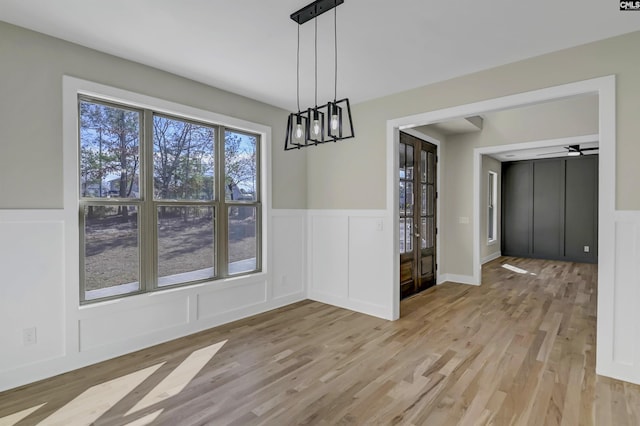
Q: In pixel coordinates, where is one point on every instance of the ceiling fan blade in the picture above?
(552, 153)
(590, 149)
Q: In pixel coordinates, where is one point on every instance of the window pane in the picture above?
(423, 166)
(242, 239)
(183, 160)
(403, 234)
(109, 151)
(490, 230)
(111, 253)
(185, 244)
(240, 166)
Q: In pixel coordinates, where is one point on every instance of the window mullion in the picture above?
(149, 227)
(222, 250)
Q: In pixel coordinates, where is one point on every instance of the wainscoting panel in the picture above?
(231, 298)
(329, 255)
(289, 253)
(368, 260)
(350, 261)
(31, 286)
(627, 291)
(121, 325)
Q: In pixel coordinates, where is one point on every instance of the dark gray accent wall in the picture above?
(550, 208)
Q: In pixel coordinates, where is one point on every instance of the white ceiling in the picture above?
(249, 46)
(543, 152)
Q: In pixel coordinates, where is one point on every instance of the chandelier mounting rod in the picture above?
(314, 10)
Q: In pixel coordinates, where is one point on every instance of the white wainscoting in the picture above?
(350, 261)
(36, 291)
(618, 313)
(31, 286)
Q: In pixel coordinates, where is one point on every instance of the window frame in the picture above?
(148, 205)
(492, 207)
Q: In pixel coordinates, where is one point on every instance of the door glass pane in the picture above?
(423, 166)
(111, 251)
(240, 166)
(185, 244)
(409, 198)
(242, 243)
(109, 151)
(183, 160)
(402, 195)
(430, 233)
(431, 166)
(423, 233)
(409, 164)
(430, 199)
(409, 239)
(403, 160)
(403, 234)
(424, 200)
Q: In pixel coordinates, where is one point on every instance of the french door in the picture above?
(418, 197)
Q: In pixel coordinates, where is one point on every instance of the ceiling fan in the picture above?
(572, 151)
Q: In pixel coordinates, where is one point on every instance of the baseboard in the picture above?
(460, 279)
(352, 305)
(492, 256)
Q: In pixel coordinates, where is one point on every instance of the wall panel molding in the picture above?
(350, 261)
(618, 332)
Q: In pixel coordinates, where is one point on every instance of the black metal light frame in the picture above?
(324, 113)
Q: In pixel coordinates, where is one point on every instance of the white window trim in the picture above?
(72, 87)
(492, 175)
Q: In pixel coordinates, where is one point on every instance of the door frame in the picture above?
(438, 144)
(605, 88)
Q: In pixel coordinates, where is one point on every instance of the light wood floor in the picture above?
(519, 349)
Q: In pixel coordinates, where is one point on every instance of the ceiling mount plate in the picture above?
(314, 10)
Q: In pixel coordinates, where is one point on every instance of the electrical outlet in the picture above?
(29, 336)
(586, 249)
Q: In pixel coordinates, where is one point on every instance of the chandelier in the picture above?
(330, 122)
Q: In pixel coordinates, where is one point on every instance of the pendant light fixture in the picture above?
(330, 122)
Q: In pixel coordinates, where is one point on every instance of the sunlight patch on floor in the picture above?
(178, 379)
(87, 407)
(146, 420)
(14, 418)
(516, 269)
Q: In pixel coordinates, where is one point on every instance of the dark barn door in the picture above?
(418, 197)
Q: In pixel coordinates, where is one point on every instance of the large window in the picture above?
(492, 212)
(164, 200)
